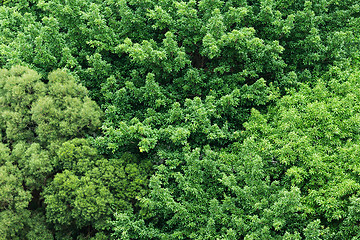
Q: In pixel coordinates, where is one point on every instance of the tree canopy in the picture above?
(194, 119)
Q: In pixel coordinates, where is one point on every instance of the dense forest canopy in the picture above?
(210, 119)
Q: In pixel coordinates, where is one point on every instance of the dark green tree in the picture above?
(182, 43)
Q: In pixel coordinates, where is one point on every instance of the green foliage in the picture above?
(223, 119)
(222, 41)
(85, 193)
(20, 88)
(35, 163)
(56, 111)
(27, 152)
(66, 111)
(73, 200)
(14, 199)
(292, 174)
(308, 140)
(214, 195)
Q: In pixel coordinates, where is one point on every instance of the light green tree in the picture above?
(309, 140)
(291, 174)
(80, 200)
(36, 118)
